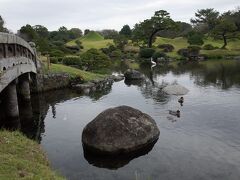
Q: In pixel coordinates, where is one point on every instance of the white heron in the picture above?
(153, 62)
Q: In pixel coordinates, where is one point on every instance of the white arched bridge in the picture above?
(17, 62)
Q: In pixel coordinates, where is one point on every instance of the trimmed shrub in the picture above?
(54, 60)
(108, 50)
(129, 55)
(72, 60)
(194, 48)
(209, 47)
(74, 48)
(56, 53)
(60, 59)
(146, 52)
(166, 47)
(183, 52)
(112, 48)
(158, 54)
(192, 52)
(94, 59)
(116, 54)
(105, 51)
(215, 56)
(131, 49)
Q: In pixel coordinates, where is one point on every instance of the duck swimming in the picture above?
(174, 113)
(181, 100)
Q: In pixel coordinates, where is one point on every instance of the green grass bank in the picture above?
(75, 72)
(22, 158)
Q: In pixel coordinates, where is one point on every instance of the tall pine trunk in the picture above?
(151, 38)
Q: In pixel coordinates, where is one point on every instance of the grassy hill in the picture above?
(92, 40)
(92, 36)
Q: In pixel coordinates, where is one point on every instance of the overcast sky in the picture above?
(99, 14)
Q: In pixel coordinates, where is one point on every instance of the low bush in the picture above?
(72, 60)
(94, 59)
(116, 54)
(130, 56)
(214, 56)
(193, 52)
(158, 54)
(60, 59)
(166, 47)
(183, 52)
(108, 50)
(56, 53)
(131, 49)
(146, 52)
(194, 48)
(73, 49)
(209, 47)
(54, 60)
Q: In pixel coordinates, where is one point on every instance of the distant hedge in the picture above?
(72, 60)
(158, 54)
(54, 60)
(146, 52)
(191, 52)
(94, 59)
(209, 47)
(166, 47)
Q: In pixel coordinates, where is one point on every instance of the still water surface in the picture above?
(203, 144)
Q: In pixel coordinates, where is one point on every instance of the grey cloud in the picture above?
(96, 14)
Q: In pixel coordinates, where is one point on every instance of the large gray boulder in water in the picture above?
(131, 74)
(120, 130)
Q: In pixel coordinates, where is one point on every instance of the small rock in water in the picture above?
(131, 74)
(175, 89)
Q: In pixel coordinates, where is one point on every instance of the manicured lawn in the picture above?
(233, 47)
(178, 42)
(22, 158)
(95, 40)
(74, 72)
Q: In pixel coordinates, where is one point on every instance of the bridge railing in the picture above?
(13, 47)
(17, 57)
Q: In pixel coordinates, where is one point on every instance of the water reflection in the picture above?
(219, 73)
(32, 114)
(100, 91)
(150, 89)
(115, 162)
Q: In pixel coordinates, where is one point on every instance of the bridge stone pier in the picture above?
(18, 64)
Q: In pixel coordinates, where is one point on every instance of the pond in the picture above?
(203, 143)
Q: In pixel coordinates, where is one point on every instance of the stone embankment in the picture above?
(96, 84)
(53, 81)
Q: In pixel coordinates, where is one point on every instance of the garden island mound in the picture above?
(120, 130)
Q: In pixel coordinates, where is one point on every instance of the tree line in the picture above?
(207, 22)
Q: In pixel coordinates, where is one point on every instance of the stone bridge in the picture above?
(17, 62)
